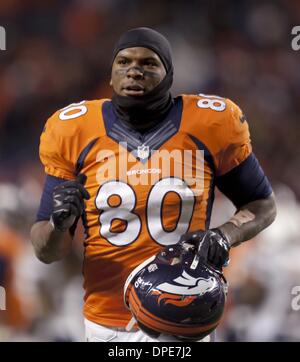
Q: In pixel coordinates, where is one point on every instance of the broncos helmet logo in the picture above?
(188, 285)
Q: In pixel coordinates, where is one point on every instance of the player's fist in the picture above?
(217, 247)
(68, 203)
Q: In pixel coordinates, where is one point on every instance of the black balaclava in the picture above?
(151, 108)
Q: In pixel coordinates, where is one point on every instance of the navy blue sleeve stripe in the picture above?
(245, 183)
(207, 154)
(83, 154)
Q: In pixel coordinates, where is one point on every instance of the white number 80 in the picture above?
(126, 211)
(79, 109)
(213, 102)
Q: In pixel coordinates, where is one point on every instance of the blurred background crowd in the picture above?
(59, 52)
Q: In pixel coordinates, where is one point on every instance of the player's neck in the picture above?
(141, 127)
(142, 116)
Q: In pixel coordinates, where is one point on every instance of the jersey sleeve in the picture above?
(54, 150)
(67, 136)
(235, 140)
(245, 183)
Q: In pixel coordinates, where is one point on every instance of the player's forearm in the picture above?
(49, 244)
(250, 220)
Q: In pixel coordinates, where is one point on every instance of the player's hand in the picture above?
(68, 203)
(218, 246)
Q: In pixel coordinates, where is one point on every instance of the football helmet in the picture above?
(176, 292)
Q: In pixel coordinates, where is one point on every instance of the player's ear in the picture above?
(110, 83)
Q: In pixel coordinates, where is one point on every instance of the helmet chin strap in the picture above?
(200, 253)
(195, 262)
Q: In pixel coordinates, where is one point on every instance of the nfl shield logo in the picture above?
(143, 152)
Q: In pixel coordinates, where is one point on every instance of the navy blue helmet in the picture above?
(176, 292)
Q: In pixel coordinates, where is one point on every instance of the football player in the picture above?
(141, 169)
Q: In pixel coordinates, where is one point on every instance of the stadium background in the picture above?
(58, 52)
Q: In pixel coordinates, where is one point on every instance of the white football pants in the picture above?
(98, 333)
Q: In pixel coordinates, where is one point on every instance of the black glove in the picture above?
(68, 203)
(218, 246)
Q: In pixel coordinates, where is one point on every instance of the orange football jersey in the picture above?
(146, 189)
